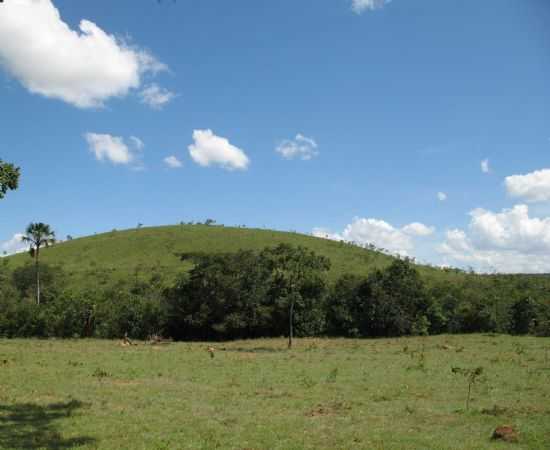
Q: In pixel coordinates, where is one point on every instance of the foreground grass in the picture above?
(325, 393)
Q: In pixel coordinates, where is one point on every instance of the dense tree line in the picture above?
(278, 291)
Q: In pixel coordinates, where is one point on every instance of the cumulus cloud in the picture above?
(209, 149)
(485, 166)
(155, 96)
(441, 196)
(418, 229)
(13, 245)
(364, 231)
(300, 147)
(83, 68)
(360, 6)
(173, 162)
(507, 241)
(113, 148)
(531, 187)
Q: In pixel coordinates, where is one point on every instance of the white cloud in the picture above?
(364, 231)
(360, 6)
(209, 149)
(155, 96)
(485, 166)
(418, 229)
(300, 147)
(532, 187)
(84, 68)
(509, 241)
(113, 148)
(138, 143)
(441, 196)
(173, 162)
(13, 245)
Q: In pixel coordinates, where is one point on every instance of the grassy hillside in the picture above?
(119, 254)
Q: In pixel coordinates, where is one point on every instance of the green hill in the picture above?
(119, 254)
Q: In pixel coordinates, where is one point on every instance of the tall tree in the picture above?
(38, 235)
(294, 272)
(9, 177)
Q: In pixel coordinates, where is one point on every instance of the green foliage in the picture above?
(296, 287)
(247, 294)
(523, 314)
(52, 280)
(254, 293)
(38, 235)
(9, 177)
(343, 307)
(391, 302)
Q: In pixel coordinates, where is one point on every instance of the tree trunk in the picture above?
(37, 266)
(290, 323)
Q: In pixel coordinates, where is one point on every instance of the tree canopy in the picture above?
(9, 177)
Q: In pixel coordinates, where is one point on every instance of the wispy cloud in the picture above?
(485, 166)
(360, 6)
(156, 97)
(173, 162)
(113, 149)
(302, 147)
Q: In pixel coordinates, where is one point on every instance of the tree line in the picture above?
(278, 291)
(281, 290)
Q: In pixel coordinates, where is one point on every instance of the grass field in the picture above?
(323, 394)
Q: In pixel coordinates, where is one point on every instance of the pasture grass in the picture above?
(256, 394)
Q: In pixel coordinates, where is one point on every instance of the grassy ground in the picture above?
(323, 394)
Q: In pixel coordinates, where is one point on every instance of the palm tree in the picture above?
(38, 235)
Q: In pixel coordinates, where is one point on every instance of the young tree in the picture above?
(38, 235)
(9, 177)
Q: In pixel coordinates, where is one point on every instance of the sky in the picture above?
(420, 126)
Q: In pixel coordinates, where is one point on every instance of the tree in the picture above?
(523, 314)
(52, 281)
(389, 302)
(38, 235)
(224, 296)
(296, 277)
(9, 177)
(344, 306)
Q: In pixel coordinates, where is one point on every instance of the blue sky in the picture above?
(340, 118)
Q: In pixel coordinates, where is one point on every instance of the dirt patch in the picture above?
(505, 433)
